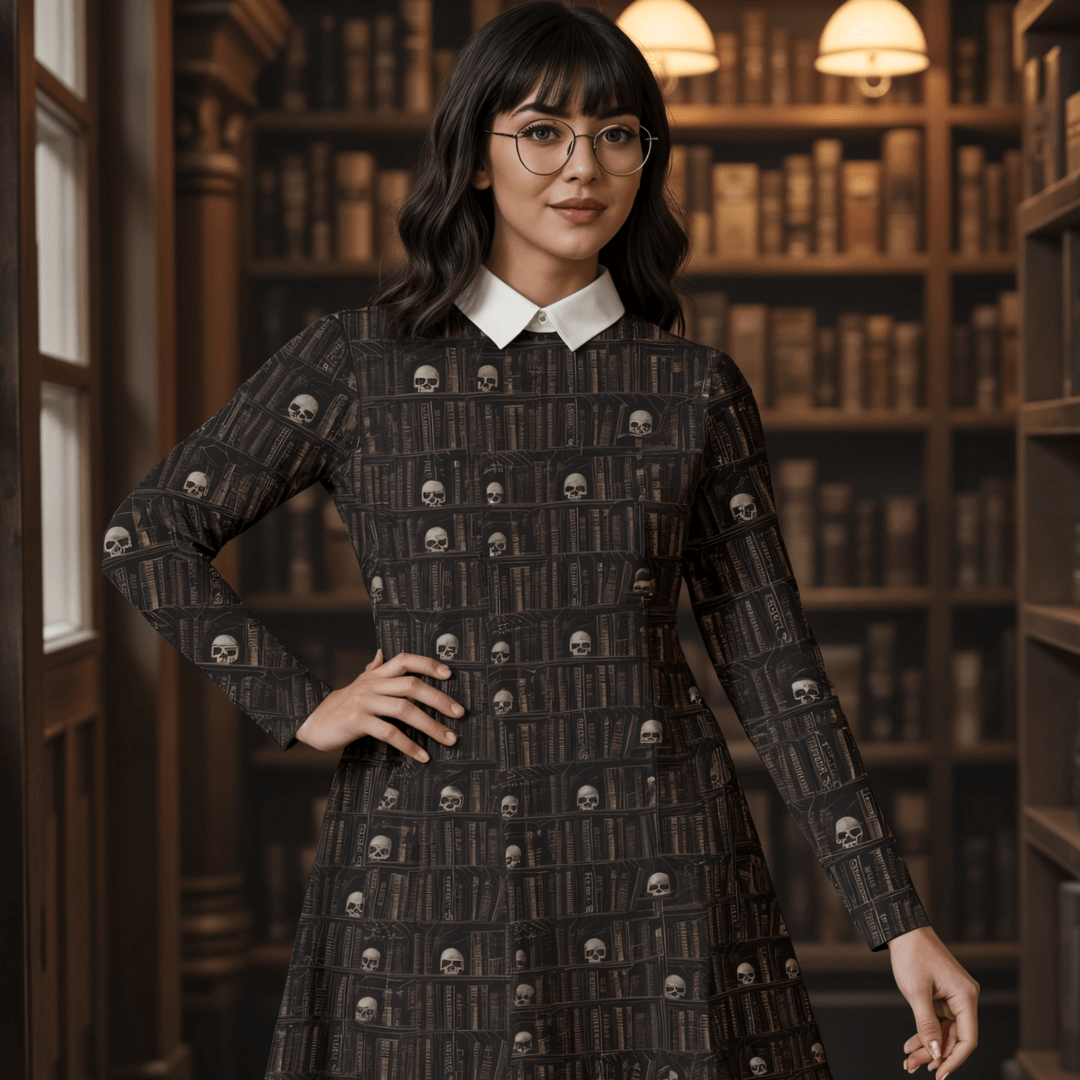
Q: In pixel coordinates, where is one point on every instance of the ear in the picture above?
(481, 178)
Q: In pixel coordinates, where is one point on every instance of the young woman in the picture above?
(537, 860)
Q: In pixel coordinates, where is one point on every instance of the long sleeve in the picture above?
(747, 605)
(291, 424)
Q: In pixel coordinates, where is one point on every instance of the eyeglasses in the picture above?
(544, 147)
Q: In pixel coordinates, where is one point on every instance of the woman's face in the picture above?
(526, 221)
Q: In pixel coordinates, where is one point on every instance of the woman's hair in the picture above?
(446, 225)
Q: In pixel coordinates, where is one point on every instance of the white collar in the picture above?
(502, 312)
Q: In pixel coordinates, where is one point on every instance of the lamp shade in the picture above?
(672, 36)
(872, 38)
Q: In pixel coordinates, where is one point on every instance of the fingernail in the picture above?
(459, 709)
(423, 755)
(942, 1076)
(934, 1048)
(444, 671)
(451, 736)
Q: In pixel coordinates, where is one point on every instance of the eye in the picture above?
(533, 129)
(619, 136)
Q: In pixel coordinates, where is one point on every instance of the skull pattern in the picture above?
(791, 967)
(747, 973)
(695, 695)
(487, 378)
(849, 832)
(447, 645)
(451, 962)
(117, 541)
(659, 884)
(451, 798)
(435, 539)
(509, 806)
(806, 691)
(641, 422)
(224, 649)
(196, 485)
(513, 856)
(376, 589)
(523, 994)
(519, 959)
(303, 409)
(588, 798)
(389, 799)
(652, 731)
(503, 702)
(595, 950)
(496, 544)
(500, 652)
(758, 1066)
(494, 492)
(369, 959)
(675, 987)
(433, 493)
(817, 1052)
(743, 507)
(426, 379)
(581, 643)
(523, 1041)
(643, 582)
(575, 487)
(354, 905)
(366, 1008)
(379, 848)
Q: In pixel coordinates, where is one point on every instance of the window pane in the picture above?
(59, 40)
(61, 238)
(63, 557)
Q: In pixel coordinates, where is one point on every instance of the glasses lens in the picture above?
(545, 145)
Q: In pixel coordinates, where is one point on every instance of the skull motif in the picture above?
(848, 832)
(743, 507)
(500, 652)
(652, 731)
(451, 798)
(447, 645)
(588, 798)
(425, 379)
(117, 541)
(224, 649)
(791, 967)
(643, 582)
(659, 884)
(818, 1052)
(509, 806)
(758, 1066)
(389, 798)
(435, 539)
(196, 485)
(640, 422)
(497, 544)
(433, 493)
(504, 702)
(303, 408)
(581, 643)
(806, 691)
(451, 962)
(513, 855)
(365, 1010)
(695, 695)
(354, 905)
(487, 378)
(519, 959)
(747, 973)
(369, 959)
(523, 994)
(675, 986)
(595, 950)
(523, 1043)
(575, 487)
(376, 589)
(379, 848)
(494, 492)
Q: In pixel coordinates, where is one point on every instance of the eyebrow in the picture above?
(543, 107)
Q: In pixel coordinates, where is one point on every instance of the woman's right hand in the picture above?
(383, 688)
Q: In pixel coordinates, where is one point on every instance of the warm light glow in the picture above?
(672, 35)
(872, 38)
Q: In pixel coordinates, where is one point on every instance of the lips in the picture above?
(579, 204)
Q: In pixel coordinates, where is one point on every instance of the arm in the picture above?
(291, 424)
(747, 605)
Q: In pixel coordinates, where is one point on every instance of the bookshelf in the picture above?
(944, 284)
(1048, 471)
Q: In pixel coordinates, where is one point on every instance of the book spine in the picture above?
(900, 563)
(322, 229)
(294, 95)
(735, 214)
(826, 369)
(861, 183)
(754, 49)
(328, 61)
(791, 357)
(1013, 160)
(355, 204)
(984, 354)
(798, 204)
(294, 204)
(912, 703)
(416, 46)
(907, 365)
(779, 66)
(975, 860)
(997, 23)
(851, 346)
(727, 74)
(881, 680)
(835, 502)
(879, 334)
(967, 679)
(796, 479)
(966, 517)
(997, 499)
(994, 206)
(827, 155)
(803, 73)
(901, 197)
(748, 344)
(1033, 126)
(356, 64)
(699, 200)
(392, 187)
(772, 211)
(384, 62)
(866, 543)
(966, 53)
(969, 199)
(963, 376)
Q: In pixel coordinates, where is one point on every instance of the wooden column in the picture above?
(220, 48)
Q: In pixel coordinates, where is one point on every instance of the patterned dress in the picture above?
(574, 890)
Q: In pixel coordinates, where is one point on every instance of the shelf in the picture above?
(833, 419)
(792, 266)
(991, 752)
(1055, 831)
(341, 601)
(989, 262)
(1056, 624)
(992, 119)
(367, 122)
(1057, 417)
(983, 419)
(874, 754)
(982, 596)
(1054, 208)
(849, 597)
(1043, 15)
(1043, 1065)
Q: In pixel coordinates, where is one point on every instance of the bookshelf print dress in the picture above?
(574, 890)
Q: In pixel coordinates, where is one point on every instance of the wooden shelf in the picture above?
(991, 119)
(1056, 624)
(989, 262)
(797, 266)
(983, 419)
(1056, 417)
(991, 752)
(854, 597)
(1055, 831)
(1043, 1065)
(833, 419)
(983, 596)
(1054, 208)
(341, 601)
(1043, 15)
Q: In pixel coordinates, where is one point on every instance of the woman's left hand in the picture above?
(943, 997)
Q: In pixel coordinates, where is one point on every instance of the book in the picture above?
(969, 199)
(699, 199)
(1069, 973)
(861, 194)
(975, 865)
(993, 238)
(803, 73)
(727, 74)
(996, 493)
(320, 224)
(1013, 161)
(966, 56)
(912, 824)
(1061, 78)
(879, 335)
(294, 204)
(1007, 660)
(355, 204)
(997, 29)
(327, 49)
(967, 513)
(900, 532)
(1006, 885)
(912, 723)
(963, 375)
(901, 190)
(968, 703)
(906, 365)
(753, 57)
(392, 187)
(710, 320)
(791, 357)
(1072, 133)
(294, 94)
(984, 355)
(416, 50)
(266, 212)
(748, 342)
(772, 211)
(1009, 347)
(866, 542)
(795, 482)
(798, 204)
(779, 65)
(835, 505)
(1032, 124)
(826, 368)
(851, 350)
(881, 680)
(735, 209)
(827, 155)
(356, 64)
(844, 662)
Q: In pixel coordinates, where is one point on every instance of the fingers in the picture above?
(411, 686)
(376, 661)
(967, 1033)
(405, 710)
(916, 1054)
(927, 1023)
(403, 663)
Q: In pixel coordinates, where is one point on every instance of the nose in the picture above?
(582, 158)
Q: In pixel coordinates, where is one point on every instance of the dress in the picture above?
(575, 890)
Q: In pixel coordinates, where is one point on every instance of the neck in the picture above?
(542, 278)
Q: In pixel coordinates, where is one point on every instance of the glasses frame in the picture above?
(646, 138)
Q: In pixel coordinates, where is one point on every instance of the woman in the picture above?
(537, 859)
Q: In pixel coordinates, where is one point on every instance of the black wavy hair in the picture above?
(446, 225)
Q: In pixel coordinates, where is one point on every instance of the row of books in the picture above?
(763, 64)
(1051, 97)
(817, 202)
(989, 886)
(982, 67)
(983, 533)
(984, 692)
(865, 361)
(835, 539)
(385, 63)
(985, 355)
(323, 205)
(987, 194)
(286, 869)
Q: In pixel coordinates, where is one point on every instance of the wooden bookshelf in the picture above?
(1048, 471)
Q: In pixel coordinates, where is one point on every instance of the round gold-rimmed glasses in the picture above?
(545, 146)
